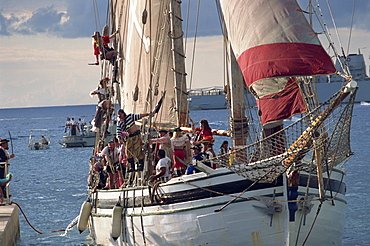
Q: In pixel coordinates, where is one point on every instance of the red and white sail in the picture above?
(273, 42)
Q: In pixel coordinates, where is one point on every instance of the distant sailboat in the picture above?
(281, 185)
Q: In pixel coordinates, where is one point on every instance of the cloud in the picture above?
(74, 19)
(43, 20)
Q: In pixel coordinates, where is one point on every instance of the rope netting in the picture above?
(321, 136)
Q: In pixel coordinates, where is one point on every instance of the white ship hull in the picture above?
(324, 91)
(195, 222)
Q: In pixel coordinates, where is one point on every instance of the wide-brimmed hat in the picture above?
(2, 141)
(196, 147)
(163, 130)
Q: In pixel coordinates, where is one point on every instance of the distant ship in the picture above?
(207, 98)
(326, 85)
(212, 98)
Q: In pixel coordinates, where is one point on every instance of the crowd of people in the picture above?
(76, 127)
(175, 152)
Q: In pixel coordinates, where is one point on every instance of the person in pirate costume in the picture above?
(134, 144)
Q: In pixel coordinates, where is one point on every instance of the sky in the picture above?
(46, 47)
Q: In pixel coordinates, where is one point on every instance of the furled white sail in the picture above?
(146, 65)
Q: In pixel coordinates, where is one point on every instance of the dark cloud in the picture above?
(43, 20)
(76, 21)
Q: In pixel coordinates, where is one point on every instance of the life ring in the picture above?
(84, 215)
(116, 221)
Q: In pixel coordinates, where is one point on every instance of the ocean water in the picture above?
(50, 185)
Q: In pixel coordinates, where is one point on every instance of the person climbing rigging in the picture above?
(101, 46)
(108, 52)
(96, 37)
(102, 91)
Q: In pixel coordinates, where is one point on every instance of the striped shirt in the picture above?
(123, 126)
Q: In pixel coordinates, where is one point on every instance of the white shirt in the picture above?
(164, 162)
(113, 156)
(179, 143)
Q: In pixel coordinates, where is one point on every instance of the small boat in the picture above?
(86, 138)
(38, 139)
(283, 182)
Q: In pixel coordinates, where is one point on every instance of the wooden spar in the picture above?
(237, 98)
(318, 158)
(179, 63)
(304, 140)
(217, 132)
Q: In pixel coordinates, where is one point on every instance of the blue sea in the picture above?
(50, 185)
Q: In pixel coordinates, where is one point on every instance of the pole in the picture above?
(11, 142)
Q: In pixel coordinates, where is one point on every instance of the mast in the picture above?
(178, 63)
(238, 120)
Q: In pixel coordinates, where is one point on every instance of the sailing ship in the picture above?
(281, 184)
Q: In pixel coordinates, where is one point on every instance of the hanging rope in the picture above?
(29, 223)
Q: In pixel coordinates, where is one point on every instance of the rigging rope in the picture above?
(335, 27)
(351, 27)
(194, 45)
(319, 17)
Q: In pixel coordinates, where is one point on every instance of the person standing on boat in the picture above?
(207, 148)
(134, 144)
(81, 124)
(4, 158)
(164, 142)
(68, 125)
(75, 127)
(224, 149)
(201, 132)
(293, 183)
(162, 169)
(110, 161)
(179, 143)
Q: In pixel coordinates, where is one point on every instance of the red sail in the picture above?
(281, 105)
(284, 59)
